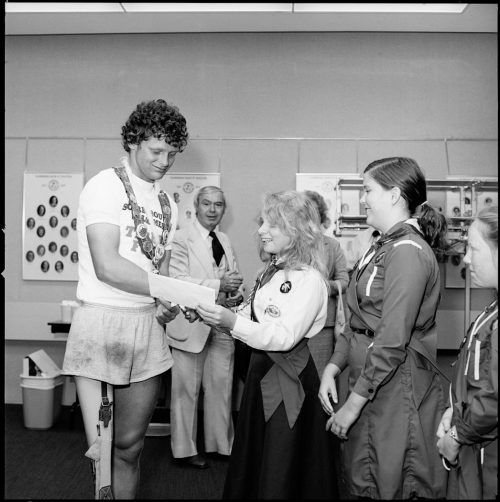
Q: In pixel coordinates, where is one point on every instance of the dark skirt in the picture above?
(271, 461)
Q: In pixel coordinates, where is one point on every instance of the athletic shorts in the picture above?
(118, 345)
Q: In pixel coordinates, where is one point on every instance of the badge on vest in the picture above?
(272, 310)
(286, 287)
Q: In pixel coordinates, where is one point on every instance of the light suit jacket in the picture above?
(192, 261)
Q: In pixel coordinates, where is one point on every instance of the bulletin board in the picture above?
(50, 243)
(183, 187)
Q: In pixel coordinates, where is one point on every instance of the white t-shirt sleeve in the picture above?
(100, 201)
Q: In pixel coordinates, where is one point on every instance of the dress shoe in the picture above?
(218, 456)
(197, 461)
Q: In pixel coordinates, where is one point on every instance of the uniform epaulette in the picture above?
(407, 241)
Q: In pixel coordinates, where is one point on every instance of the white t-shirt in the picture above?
(104, 200)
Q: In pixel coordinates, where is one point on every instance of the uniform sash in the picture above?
(282, 383)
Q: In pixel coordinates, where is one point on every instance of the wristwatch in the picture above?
(453, 434)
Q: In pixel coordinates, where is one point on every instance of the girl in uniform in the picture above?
(395, 402)
(321, 346)
(468, 432)
(281, 450)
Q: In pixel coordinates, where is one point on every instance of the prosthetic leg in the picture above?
(100, 450)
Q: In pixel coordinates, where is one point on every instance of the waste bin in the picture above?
(42, 398)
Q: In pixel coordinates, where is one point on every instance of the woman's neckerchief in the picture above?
(263, 279)
(155, 253)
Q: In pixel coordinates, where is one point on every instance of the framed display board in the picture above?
(50, 244)
(183, 187)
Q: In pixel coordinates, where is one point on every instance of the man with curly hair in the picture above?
(117, 349)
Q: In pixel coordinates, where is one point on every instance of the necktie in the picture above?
(217, 249)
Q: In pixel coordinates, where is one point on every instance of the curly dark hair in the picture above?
(157, 119)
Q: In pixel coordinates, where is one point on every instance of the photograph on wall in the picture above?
(455, 207)
(455, 272)
(344, 201)
(437, 199)
(486, 198)
(50, 243)
(182, 188)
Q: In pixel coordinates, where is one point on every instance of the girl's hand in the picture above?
(339, 423)
(445, 424)
(216, 315)
(448, 448)
(328, 388)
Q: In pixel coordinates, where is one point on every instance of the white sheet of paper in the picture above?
(183, 293)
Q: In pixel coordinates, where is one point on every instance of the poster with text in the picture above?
(50, 243)
(182, 188)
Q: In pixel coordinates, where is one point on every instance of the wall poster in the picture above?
(325, 184)
(50, 243)
(182, 188)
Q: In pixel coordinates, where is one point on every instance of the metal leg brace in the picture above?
(100, 451)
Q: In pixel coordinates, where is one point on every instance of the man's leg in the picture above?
(89, 398)
(186, 382)
(217, 387)
(133, 408)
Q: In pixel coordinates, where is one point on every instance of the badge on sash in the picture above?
(159, 252)
(165, 235)
(142, 231)
(286, 287)
(148, 246)
(272, 310)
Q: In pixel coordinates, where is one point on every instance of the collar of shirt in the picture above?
(208, 242)
(203, 231)
(398, 230)
(143, 185)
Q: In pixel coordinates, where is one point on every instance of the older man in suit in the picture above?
(203, 356)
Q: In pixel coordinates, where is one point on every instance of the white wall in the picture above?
(260, 108)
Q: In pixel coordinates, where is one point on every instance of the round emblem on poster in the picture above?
(142, 231)
(148, 246)
(328, 186)
(286, 287)
(188, 187)
(53, 185)
(272, 310)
